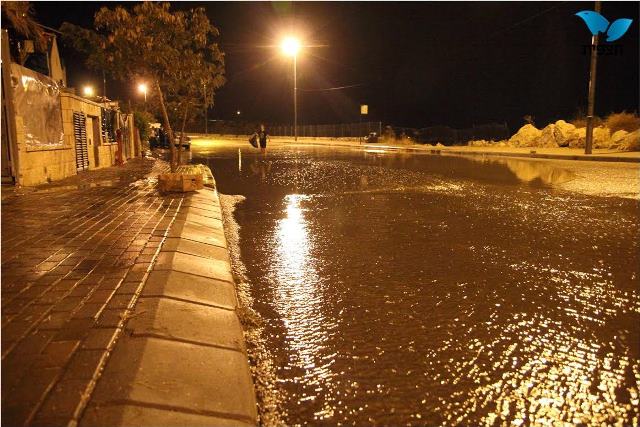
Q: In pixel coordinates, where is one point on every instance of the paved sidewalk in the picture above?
(75, 258)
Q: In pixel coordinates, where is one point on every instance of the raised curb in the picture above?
(182, 358)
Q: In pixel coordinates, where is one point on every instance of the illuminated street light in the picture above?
(238, 112)
(142, 88)
(88, 91)
(290, 47)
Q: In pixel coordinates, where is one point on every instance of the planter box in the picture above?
(180, 182)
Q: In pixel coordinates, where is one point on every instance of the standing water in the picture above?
(420, 289)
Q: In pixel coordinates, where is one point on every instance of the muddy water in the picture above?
(419, 289)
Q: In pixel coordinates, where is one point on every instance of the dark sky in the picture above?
(418, 64)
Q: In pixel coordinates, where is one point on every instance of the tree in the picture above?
(20, 16)
(174, 51)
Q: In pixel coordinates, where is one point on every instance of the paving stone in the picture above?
(68, 303)
(61, 403)
(198, 233)
(99, 339)
(140, 416)
(119, 301)
(57, 353)
(185, 263)
(84, 364)
(169, 373)
(173, 244)
(128, 288)
(110, 318)
(211, 213)
(74, 329)
(192, 217)
(186, 321)
(189, 287)
(90, 310)
(20, 404)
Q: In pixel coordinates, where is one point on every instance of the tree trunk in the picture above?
(184, 122)
(167, 126)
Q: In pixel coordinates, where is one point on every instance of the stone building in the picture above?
(48, 132)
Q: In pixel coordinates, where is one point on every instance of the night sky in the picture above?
(415, 64)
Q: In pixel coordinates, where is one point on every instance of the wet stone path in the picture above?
(74, 258)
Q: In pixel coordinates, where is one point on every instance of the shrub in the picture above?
(142, 119)
(580, 121)
(622, 121)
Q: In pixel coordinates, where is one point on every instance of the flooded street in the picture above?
(398, 288)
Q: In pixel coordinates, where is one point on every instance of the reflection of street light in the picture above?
(290, 47)
(88, 91)
(142, 88)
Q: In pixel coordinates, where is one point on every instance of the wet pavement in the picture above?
(396, 288)
(74, 257)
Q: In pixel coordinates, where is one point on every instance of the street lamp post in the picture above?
(290, 47)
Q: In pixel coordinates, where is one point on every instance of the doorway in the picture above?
(93, 136)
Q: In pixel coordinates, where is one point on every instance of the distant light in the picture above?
(290, 46)
(142, 88)
(88, 91)
(238, 112)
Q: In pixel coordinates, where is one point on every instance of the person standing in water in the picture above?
(262, 139)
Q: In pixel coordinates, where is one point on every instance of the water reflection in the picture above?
(299, 300)
(440, 290)
(532, 171)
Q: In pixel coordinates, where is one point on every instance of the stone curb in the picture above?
(182, 358)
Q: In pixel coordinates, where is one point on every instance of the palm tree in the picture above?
(20, 16)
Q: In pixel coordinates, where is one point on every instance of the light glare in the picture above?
(290, 46)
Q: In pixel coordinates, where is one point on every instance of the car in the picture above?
(371, 138)
(159, 139)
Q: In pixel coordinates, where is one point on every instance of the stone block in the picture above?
(141, 416)
(185, 263)
(190, 287)
(186, 321)
(174, 244)
(210, 213)
(198, 233)
(174, 374)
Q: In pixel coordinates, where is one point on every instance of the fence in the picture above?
(336, 130)
(450, 136)
(428, 135)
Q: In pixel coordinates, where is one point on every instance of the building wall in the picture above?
(45, 165)
(106, 153)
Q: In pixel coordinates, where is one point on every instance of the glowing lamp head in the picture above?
(88, 91)
(142, 88)
(290, 46)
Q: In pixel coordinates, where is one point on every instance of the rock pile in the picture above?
(563, 134)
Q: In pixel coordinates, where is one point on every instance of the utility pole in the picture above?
(206, 110)
(295, 97)
(104, 89)
(592, 88)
